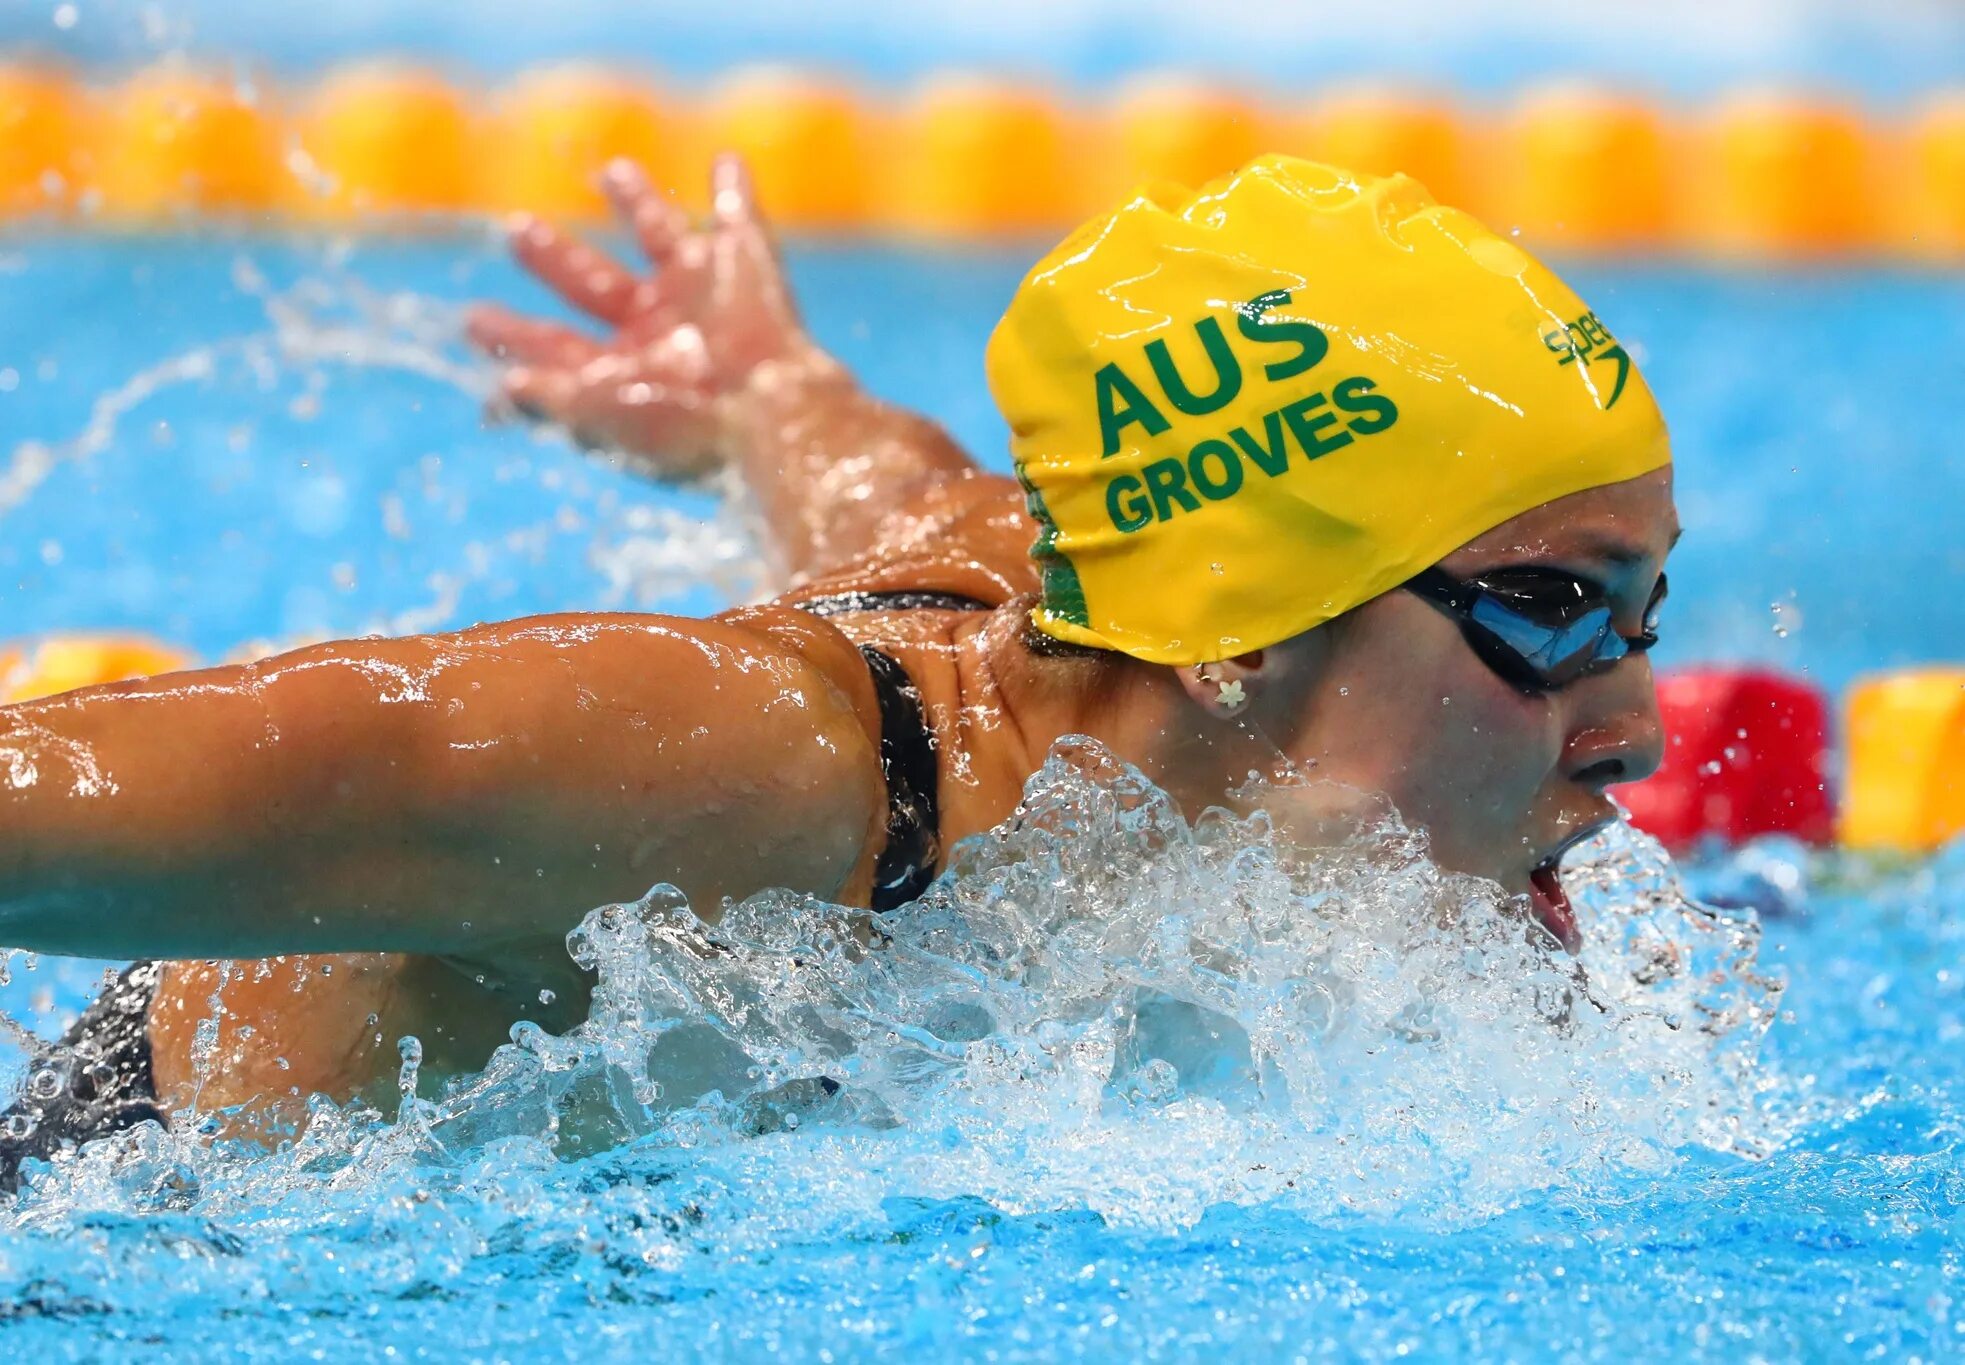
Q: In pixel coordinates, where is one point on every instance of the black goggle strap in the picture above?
(1438, 586)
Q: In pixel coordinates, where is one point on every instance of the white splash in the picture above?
(1102, 1006)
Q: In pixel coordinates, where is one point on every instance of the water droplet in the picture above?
(46, 1082)
(546, 997)
(410, 1048)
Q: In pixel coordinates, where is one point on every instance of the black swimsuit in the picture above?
(98, 1078)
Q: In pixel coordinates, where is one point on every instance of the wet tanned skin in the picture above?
(407, 829)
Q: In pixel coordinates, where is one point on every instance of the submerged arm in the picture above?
(707, 365)
(470, 794)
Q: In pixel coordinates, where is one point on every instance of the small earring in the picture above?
(1229, 696)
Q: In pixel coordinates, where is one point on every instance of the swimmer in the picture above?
(1317, 473)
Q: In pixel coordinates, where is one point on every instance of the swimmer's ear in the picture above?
(1225, 689)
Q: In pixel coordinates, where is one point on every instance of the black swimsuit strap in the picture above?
(907, 760)
(904, 599)
(907, 749)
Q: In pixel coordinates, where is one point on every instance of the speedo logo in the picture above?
(1586, 340)
(1218, 466)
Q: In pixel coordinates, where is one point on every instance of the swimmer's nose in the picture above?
(1617, 735)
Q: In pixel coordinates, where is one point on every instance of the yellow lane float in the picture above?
(1385, 132)
(41, 136)
(1905, 743)
(173, 141)
(1586, 171)
(555, 129)
(977, 157)
(810, 145)
(393, 140)
(1169, 127)
(64, 663)
(1786, 174)
(1936, 210)
(1764, 176)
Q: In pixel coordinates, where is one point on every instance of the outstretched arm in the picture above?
(466, 795)
(709, 366)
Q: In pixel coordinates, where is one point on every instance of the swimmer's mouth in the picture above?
(1547, 900)
(1550, 905)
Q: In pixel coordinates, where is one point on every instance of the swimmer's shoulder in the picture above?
(966, 537)
(949, 564)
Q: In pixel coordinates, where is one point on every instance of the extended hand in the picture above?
(685, 337)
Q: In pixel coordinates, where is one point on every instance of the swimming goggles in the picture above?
(1539, 628)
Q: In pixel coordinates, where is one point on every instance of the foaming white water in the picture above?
(1102, 1006)
(1106, 1006)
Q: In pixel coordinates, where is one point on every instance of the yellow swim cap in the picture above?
(1242, 411)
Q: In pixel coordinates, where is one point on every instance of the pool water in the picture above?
(250, 439)
(1198, 1099)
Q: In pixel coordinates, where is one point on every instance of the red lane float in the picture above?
(1746, 753)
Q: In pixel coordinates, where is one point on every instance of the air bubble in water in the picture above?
(1787, 618)
(46, 1082)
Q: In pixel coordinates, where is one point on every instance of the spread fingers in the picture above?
(657, 223)
(585, 277)
(505, 335)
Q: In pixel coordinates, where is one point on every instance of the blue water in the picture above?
(303, 481)
(1815, 417)
(1885, 50)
